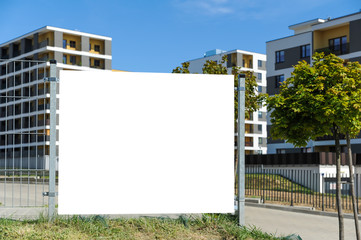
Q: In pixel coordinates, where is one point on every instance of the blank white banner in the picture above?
(145, 143)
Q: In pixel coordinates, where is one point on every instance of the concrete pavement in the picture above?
(308, 226)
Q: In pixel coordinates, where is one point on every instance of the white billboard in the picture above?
(145, 143)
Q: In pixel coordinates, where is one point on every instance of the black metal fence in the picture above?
(302, 186)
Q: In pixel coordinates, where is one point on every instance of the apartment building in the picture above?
(341, 36)
(255, 126)
(24, 95)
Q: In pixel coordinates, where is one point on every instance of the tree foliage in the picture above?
(183, 69)
(322, 99)
(315, 99)
(253, 99)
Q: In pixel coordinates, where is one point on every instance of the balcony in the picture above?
(43, 107)
(44, 59)
(247, 144)
(16, 53)
(337, 49)
(45, 43)
(249, 128)
(43, 123)
(42, 91)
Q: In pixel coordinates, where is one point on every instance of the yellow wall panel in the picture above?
(93, 42)
(320, 38)
(69, 38)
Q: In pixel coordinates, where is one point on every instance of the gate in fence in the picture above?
(28, 106)
(300, 187)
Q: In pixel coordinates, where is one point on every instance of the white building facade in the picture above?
(256, 125)
(25, 96)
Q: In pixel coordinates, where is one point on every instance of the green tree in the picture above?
(253, 101)
(322, 99)
(183, 69)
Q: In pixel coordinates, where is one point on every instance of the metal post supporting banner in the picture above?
(240, 147)
(52, 158)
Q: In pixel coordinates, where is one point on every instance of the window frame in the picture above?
(96, 48)
(259, 89)
(65, 57)
(260, 128)
(71, 58)
(96, 63)
(259, 76)
(304, 52)
(65, 43)
(280, 58)
(342, 46)
(72, 44)
(260, 63)
(278, 80)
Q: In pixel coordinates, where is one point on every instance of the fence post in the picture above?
(264, 181)
(323, 192)
(357, 186)
(52, 158)
(240, 148)
(292, 187)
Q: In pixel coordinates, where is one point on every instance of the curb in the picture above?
(306, 210)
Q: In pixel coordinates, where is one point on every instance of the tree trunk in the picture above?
(350, 166)
(341, 229)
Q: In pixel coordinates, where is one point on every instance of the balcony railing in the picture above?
(44, 106)
(43, 123)
(41, 91)
(337, 49)
(16, 53)
(45, 43)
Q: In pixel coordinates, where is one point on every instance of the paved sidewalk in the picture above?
(308, 226)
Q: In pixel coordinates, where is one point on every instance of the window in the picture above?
(243, 63)
(338, 45)
(259, 114)
(280, 56)
(250, 64)
(90, 62)
(260, 141)
(96, 63)
(259, 151)
(72, 44)
(259, 89)
(279, 80)
(72, 60)
(260, 128)
(259, 63)
(65, 59)
(90, 46)
(305, 51)
(64, 43)
(259, 76)
(97, 48)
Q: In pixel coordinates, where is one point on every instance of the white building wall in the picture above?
(196, 66)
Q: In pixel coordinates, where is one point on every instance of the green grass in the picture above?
(274, 182)
(209, 226)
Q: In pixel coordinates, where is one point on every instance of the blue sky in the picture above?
(157, 36)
